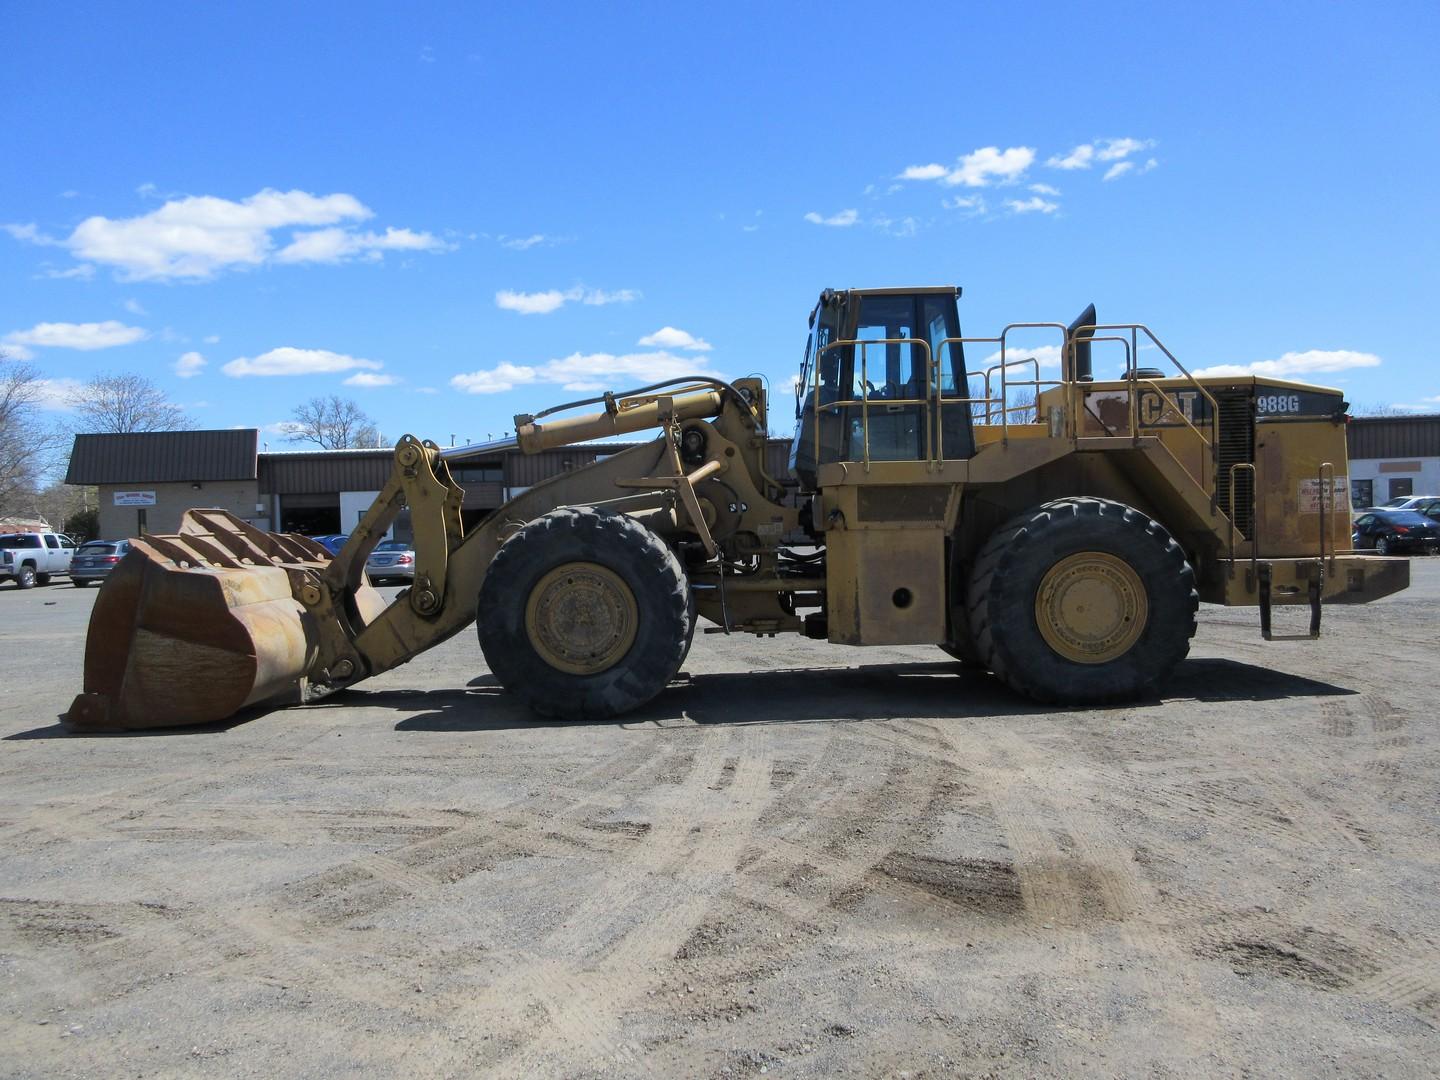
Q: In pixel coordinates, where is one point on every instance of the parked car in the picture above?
(32, 558)
(331, 542)
(1391, 532)
(94, 561)
(391, 560)
(1423, 503)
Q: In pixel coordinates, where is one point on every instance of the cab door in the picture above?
(900, 364)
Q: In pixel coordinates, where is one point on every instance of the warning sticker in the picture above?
(1308, 496)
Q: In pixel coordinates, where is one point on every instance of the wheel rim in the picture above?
(1091, 607)
(581, 618)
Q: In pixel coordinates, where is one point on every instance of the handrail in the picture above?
(996, 400)
(1184, 371)
(1181, 413)
(1325, 518)
(840, 403)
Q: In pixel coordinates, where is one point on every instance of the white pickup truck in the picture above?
(32, 558)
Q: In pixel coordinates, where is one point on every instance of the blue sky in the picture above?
(453, 214)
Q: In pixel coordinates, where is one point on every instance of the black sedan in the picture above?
(1396, 531)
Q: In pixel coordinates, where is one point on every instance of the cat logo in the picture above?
(1166, 410)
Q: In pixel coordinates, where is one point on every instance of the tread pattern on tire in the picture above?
(647, 565)
(1000, 605)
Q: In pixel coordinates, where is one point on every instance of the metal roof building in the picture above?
(1393, 456)
(148, 479)
(164, 457)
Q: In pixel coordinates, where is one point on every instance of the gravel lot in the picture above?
(801, 860)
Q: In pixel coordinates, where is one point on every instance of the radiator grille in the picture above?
(1237, 446)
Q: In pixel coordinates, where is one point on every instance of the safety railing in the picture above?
(841, 403)
(995, 399)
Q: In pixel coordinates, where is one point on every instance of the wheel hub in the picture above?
(581, 618)
(1091, 607)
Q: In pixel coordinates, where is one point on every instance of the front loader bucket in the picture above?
(191, 628)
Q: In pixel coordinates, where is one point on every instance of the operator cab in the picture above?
(878, 365)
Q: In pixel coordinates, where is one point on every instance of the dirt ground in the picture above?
(801, 860)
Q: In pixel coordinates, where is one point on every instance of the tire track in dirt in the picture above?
(611, 947)
(252, 941)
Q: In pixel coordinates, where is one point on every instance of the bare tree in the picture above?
(25, 442)
(1379, 409)
(332, 423)
(125, 403)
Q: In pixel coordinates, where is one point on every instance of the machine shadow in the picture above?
(832, 695)
(61, 730)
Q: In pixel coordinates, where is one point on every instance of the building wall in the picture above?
(172, 500)
(1422, 472)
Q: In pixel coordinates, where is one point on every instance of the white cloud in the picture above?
(1044, 189)
(82, 272)
(338, 245)
(426, 390)
(843, 219)
(980, 168)
(1048, 355)
(1086, 154)
(1297, 363)
(495, 380)
(134, 308)
(30, 234)
(57, 395)
(1034, 204)
(923, 172)
(543, 303)
(584, 372)
(287, 360)
(369, 379)
(189, 365)
(524, 243)
(211, 339)
(197, 236)
(668, 337)
(989, 165)
(974, 203)
(906, 226)
(1120, 168)
(85, 336)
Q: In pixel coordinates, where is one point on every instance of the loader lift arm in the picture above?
(194, 596)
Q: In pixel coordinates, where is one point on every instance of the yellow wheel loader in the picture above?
(1057, 531)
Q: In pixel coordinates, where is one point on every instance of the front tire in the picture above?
(1082, 601)
(584, 614)
(1382, 546)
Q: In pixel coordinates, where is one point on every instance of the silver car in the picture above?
(95, 559)
(392, 560)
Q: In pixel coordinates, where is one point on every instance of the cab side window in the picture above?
(51, 540)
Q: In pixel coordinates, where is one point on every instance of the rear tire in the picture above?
(1082, 601)
(79, 583)
(25, 579)
(1382, 546)
(584, 614)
